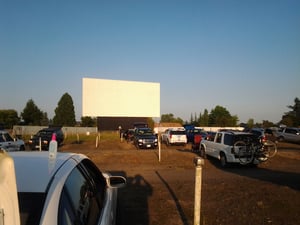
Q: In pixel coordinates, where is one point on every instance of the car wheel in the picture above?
(281, 139)
(22, 148)
(202, 152)
(223, 160)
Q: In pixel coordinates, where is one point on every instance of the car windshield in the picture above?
(178, 132)
(44, 133)
(31, 206)
(145, 132)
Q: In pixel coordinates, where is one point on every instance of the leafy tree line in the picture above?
(32, 115)
(221, 117)
(65, 116)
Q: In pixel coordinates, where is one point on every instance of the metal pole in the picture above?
(199, 162)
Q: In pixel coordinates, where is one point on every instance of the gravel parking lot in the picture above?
(163, 192)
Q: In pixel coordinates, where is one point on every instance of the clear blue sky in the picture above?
(242, 55)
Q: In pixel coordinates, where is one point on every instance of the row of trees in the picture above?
(32, 115)
(221, 117)
(65, 116)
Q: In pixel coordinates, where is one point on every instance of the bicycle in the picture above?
(248, 152)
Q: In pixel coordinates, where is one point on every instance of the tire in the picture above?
(245, 152)
(22, 148)
(167, 143)
(281, 139)
(202, 152)
(223, 160)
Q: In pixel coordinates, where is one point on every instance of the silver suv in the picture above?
(10, 144)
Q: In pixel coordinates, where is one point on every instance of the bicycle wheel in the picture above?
(261, 153)
(244, 152)
(271, 148)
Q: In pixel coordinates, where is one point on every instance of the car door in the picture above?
(217, 145)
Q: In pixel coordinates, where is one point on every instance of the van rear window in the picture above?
(178, 132)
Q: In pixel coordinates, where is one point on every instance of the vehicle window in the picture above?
(219, 138)
(290, 131)
(82, 196)
(228, 139)
(248, 139)
(257, 133)
(7, 137)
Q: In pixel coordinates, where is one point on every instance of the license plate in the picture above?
(148, 146)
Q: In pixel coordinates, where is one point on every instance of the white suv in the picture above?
(9, 144)
(174, 136)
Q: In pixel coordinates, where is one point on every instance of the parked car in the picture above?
(259, 133)
(190, 133)
(223, 147)
(210, 135)
(8, 143)
(70, 190)
(174, 136)
(43, 138)
(145, 138)
(129, 135)
(288, 134)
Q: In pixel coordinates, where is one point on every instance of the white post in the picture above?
(40, 144)
(98, 140)
(199, 162)
(159, 147)
(97, 137)
(77, 138)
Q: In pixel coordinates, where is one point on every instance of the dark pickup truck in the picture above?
(43, 137)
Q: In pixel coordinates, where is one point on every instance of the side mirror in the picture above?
(117, 181)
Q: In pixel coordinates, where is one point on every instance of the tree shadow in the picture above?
(282, 178)
(133, 200)
(278, 177)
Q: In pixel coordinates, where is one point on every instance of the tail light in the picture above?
(263, 139)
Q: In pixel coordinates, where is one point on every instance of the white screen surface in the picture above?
(116, 98)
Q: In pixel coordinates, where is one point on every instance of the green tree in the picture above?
(150, 122)
(9, 118)
(194, 120)
(220, 116)
(204, 118)
(169, 118)
(250, 123)
(87, 121)
(267, 123)
(45, 120)
(292, 118)
(64, 112)
(31, 114)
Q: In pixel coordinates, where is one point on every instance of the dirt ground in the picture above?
(162, 192)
